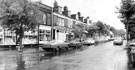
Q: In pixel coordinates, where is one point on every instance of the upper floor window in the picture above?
(55, 20)
(58, 23)
(62, 21)
(44, 18)
(70, 23)
(49, 19)
(0, 30)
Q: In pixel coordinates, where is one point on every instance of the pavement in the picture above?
(104, 56)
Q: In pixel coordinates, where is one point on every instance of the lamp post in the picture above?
(38, 34)
(52, 20)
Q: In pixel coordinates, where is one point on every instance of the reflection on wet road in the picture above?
(101, 57)
(13, 60)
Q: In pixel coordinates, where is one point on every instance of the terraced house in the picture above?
(66, 26)
(62, 23)
(45, 27)
(56, 23)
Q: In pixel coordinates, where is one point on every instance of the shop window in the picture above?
(41, 37)
(41, 31)
(48, 37)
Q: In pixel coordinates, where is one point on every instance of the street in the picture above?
(104, 56)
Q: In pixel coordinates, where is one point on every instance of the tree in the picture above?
(113, 30)
(121, 32)
(92, 29)
(78, 30)
(126, 12)
(101, 27)
(18, 16)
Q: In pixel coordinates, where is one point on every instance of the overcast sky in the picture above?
(103, 10)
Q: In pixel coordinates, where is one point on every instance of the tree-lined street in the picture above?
(36, 36)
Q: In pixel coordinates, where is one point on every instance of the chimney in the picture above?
(81, 19)
(74, 16)
(66, 12)
(55, 4)
(79, 14)
(56, 8)
(86, 20)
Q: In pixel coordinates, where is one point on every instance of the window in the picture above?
(41, 31)
(41, 35)
(44, 18)
(55, 20)
(58, 23)
(62, 21)
(44, 35)
(48, 19)
(65, 22)
(0, 30)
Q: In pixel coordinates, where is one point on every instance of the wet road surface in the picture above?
(101, 57)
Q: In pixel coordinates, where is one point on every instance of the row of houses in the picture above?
(55, 25)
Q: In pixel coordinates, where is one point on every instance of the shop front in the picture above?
(30, 37)
(59, 33)
(9, 37)
(44, 34)
(69, 34)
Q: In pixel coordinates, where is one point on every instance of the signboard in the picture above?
(44, 27)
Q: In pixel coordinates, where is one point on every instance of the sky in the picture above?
(103, 10)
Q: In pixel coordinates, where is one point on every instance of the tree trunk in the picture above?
(127, 32)
(20, 40)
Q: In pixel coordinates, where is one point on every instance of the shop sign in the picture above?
(44, 27)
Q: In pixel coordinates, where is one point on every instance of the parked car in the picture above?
(131, 54)
(75, 43)
(118, 41)
(55, 44)
(111, 39)
(89, 42)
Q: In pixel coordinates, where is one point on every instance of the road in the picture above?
(101, 57)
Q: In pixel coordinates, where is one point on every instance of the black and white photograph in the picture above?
(67, 35)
